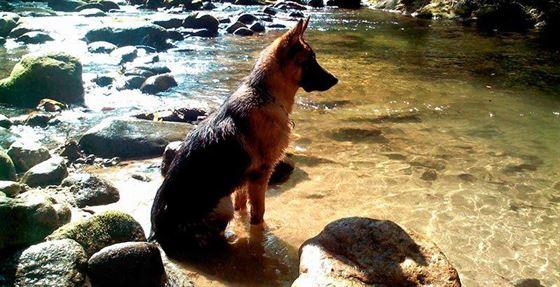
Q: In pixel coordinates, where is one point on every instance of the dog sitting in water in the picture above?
(235, 148)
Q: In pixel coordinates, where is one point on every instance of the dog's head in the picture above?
(297, 61)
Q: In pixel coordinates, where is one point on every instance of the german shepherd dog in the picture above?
(235, 148)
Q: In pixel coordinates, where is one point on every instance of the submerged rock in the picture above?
(429, 175)
(7, 168)
(54, 76)
(131, 138)
(127, 264)
(53, 263)
(101, 47)
(65, 5)
(233, 27)
(92, 12)
(25, 155)
(101, 230)
(158, 83)
(130, 33)
(90, 190)
(37, 216)
(366, 252)
(125, 54)
(257, 27)
(202, 21)
(50, 172)
(243, 31)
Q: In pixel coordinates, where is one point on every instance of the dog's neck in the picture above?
(267, 76)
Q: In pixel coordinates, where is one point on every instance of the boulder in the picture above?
(5, 122)
(233, 27)
(97, 6)
(26, 154)
(92, 12)
(34, 37)
(315, 3)
(243, 31)
(202, 21)
(55, 263)
(101, 47)
(257, 27)
(158, 83)
(351, 4)
(72, 150)
(130, 33)
(8, 21)
(101, 230)
(247, 18)
(289, 5)
(155, 69)
(182, 115)
(125, 54)
(32, 216)
(22, 29)
(11, 188)
(109, 5)
(169, 23)
(2, 41)
(50, 172)
(65, 5)
(90, 190)
(131, 138)
(54, 76)
(51, 106)
(7, 168)
(127, 264)
(132, 82)
(248, 2)
(367, 252)
(184, 4)
(103, 81)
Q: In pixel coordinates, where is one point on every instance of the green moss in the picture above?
(54, 76)
(101, 230)
(7, 168)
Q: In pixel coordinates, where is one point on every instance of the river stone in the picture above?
(7, 168)
(32, 216)
(130, 33)
(92, 12)
(155, 68)
(60, 263)
(248, 2)
(5, 122)
(97, 6)
(429, 175)
(158, 83)
(257, 27)
(101, 47)
(131, 138)
(314, 3)
(65, 5)
(169, 23)
(231, 28)
(367, 252)
(101, 230)
(34, 37)
(132, 82)
(247, 18)
(184, 4)
(53, 76)
(350, 4)
(243, 31)
(202, 21)
(11, 188)
(125, 54)
(22, 29)
(2, 41)
(91, 190)
(26, 154)
(127, 264)
(50, 172)
(8, 21)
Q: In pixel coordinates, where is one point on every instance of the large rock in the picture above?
(60, 263)
(50, 172)
(101, 47)
(367, 252)
(101, 230)
(65, 5)
(202, 21)
(91, 190)
(130, 33)
(53, 76)
(158, 83)
(131, 138)
(34, 37)
(8, 21)
(127, 264)
(7, 168)
(11, 188)
(351, 4)
(29, 218)
(26, 154)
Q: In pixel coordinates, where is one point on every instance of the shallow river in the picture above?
(482, 112)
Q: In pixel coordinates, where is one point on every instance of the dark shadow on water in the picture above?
(358, 135)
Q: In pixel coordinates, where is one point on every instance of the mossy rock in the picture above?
(7, 168)
(35, 77)
(101, 230)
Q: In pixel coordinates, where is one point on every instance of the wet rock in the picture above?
(429, 175)
(315, 3)
(257, 27)
(248, 2)
(277, 26)
(155, 69)
(101, 47)
(90, 190)
(368, 252)
(8, 21)
(38, 216)
(109, 5)
(103, 81)
(243, 31)
(72, 151)
(169, 23)
(50, 172)
(247, 18)
(270, 10)
(208, 6)
(127, 264)
(65, 5)
(504, 16)
(158, 83)
(169, 154)
(92, 12)
(39, 119)
(289, 5)
(428, 162)
(97, 6)
(51, 106)
(202, 21)
(182, 115)
(54, 76)
(125, 54)
(22, 29)
(351, 4)
(131, 138)
(296, 14)
(188, 5)
(53, 263)
(175, 35)
(132, 82)
(11, 188)
(130, 33)
(233, 27)
(5, 122)
(34, 38)
(139, 72)
(7, 168)
(153, 4)
(26, 154)
(2, 41)
(467, 177)
(528, 282)
(282, 171)
(101, 230)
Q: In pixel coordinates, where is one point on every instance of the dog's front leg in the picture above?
(258, 184)
(240, 199)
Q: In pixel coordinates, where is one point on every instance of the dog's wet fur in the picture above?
(235, 150)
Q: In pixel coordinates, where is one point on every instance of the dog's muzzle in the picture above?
(315, 77)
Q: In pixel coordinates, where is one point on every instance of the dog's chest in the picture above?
(269, 134)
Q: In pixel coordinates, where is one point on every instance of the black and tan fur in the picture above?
(235, 148)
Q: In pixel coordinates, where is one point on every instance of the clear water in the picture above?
(482, 111)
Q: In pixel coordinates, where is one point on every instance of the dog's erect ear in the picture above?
(296, 33)
(304, 27)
